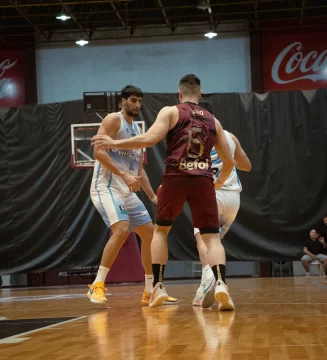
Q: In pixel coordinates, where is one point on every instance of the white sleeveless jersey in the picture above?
(233, 182)
(103, 179)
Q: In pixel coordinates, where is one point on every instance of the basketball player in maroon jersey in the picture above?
(191, 132)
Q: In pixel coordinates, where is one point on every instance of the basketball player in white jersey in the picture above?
(228, 201)
(117, 175)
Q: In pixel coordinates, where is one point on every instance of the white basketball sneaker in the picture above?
(199, 295)
(158, 296)
(223, 297)
(208, 297)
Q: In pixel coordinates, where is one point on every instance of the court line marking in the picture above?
(41, 298)
(17, 338)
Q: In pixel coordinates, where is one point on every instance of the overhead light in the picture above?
(203, 5)
(82, 42)
(210, 34)
(63, 16)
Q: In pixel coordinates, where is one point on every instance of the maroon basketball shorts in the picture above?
(200, 194)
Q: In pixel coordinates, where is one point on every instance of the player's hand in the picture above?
(103, 141)
(322, 239)
(217, 185)
(154, 199)
(314, 258)
(132, 182)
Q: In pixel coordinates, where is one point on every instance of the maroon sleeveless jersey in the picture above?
(190, 141)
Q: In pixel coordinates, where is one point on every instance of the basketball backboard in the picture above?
(102, 101)
(82, 151)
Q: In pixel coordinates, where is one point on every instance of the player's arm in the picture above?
(242, 162)
(109, 126)
(145, 182)
(225, 155)
(156, 133)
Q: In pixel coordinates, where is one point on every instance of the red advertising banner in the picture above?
(12, 78)
(294, 60)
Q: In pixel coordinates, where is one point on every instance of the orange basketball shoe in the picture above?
(97, 293)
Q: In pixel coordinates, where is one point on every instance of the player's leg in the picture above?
(141, 223)
(230, 201)
(112, 209)
(208, 236)
(171, 200)
(159, 251)
(202, 249)
(206, 269)
(205, 217)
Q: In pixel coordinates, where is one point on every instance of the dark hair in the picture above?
(325, 216)
(189, 84)
(206, 105)
(130, 90)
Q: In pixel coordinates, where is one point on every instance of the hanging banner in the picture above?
(294, 60)
(12, 78)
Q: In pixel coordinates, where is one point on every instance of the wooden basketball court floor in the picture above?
(275, 318)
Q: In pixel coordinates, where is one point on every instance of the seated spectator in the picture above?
(323, 229)
(313, 249)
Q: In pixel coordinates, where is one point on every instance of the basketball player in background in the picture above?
(191, 133)
(117, 175)
(228, 201)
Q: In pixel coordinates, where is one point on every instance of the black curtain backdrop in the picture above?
(48, 220)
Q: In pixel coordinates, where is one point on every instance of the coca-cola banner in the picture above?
(294, 60)
(12, 78)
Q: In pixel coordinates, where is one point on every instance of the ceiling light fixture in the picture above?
(63, 16)
(82, 42)
(203, 5)
(210, 34)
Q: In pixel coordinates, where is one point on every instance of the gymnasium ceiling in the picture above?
(24, 21)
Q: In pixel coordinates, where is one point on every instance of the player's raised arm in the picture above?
(156, 133)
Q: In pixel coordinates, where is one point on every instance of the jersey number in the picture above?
(194, 146)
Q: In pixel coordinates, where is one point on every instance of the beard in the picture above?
(131, 112)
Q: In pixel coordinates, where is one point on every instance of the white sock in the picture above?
(148, 283)
(209, 272)
(101, 275)
(203, 278)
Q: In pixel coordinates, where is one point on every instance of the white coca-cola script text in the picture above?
(312, 62)
(5, 82)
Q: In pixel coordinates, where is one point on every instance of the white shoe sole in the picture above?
(168, 302)
(223, 299)
(227, 307)
(96, 301)
(196, 302)
(209, 297)
(159, 300)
